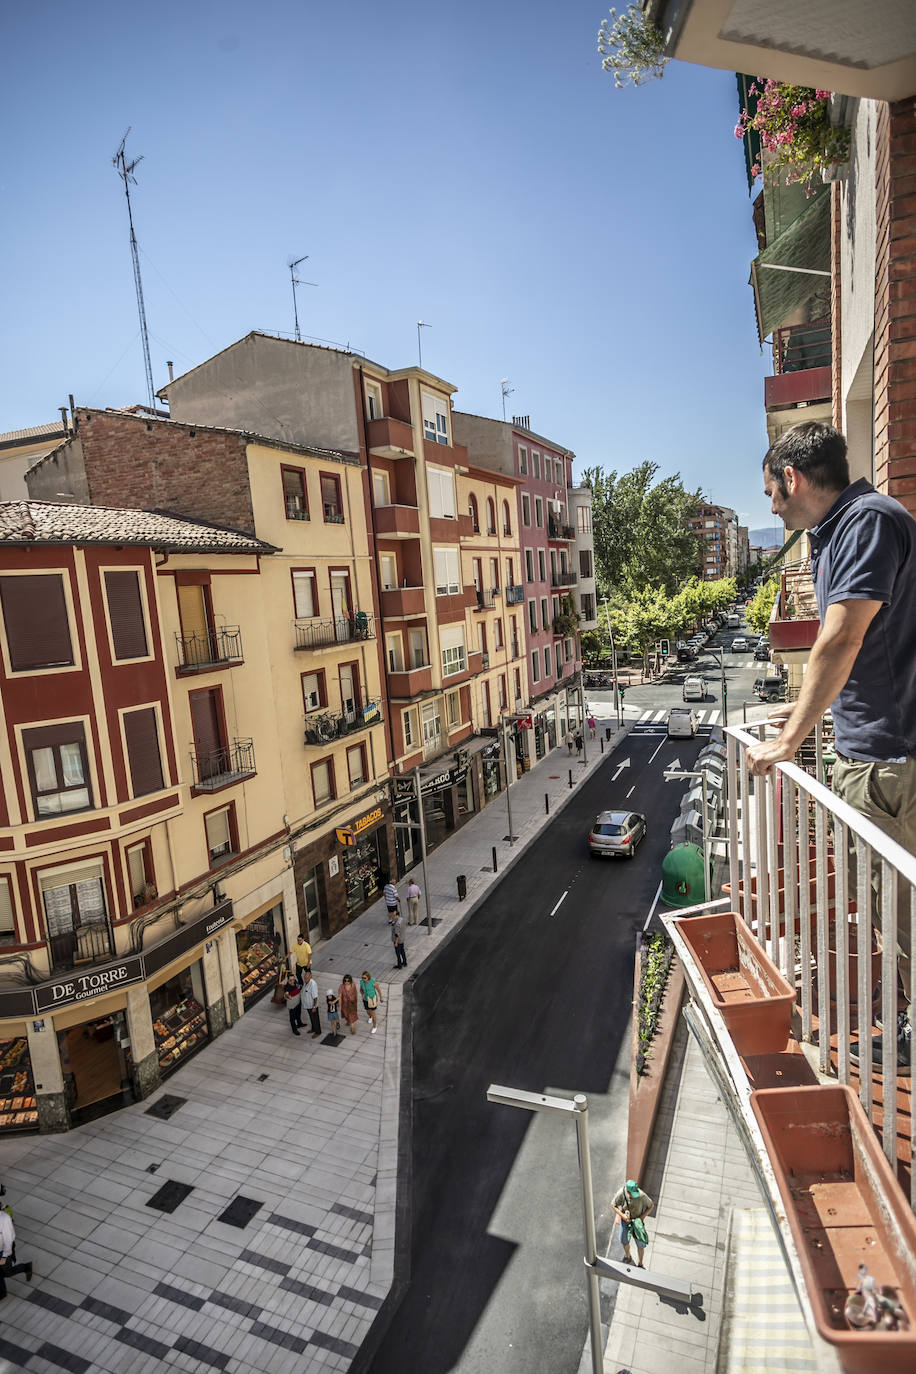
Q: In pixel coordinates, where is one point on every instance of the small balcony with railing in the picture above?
(208, 650)
(801, 365)
(390, 438)
(214, 769)
(794, 622)
(558, 530)
(322, 727)
(89, 942)
(485, 598)
(564, 577)
(515, 595)
(798, 996)
(317, 634)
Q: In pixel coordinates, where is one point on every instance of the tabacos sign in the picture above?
(93, 983)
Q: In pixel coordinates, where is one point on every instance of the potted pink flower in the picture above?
(797, 137)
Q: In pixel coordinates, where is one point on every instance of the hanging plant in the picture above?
(632, 48)
(796, 135)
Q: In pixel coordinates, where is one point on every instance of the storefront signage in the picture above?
(406, 788)
(345, 835)
(523, 723)
(195, 933)
(93, 983)
(365, 821)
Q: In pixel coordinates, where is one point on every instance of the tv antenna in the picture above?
(298, 281)
(506, 390)
(125, 171)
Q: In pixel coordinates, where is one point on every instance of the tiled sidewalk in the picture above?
(307, 1131)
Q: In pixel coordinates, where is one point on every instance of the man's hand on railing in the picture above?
(761, 757)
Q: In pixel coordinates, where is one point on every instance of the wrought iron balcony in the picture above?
(557, 530)
(321, 727)
(220, 767)
(86, 944)
(515, 595)
(326, 634)
(484, 599)
(212, 649)
(567, 578)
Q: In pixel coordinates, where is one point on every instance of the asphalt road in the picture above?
(534, 992)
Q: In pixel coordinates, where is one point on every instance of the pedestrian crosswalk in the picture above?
(656, 722)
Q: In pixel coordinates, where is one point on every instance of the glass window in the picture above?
(312, 690)
(545, 614)
(547, 660)
(523, 461)
(539, 512)
(453, 708)
(409, 729)
(533, 615)
(529, 565)
(535, 666)
(59, 772)
(535, 463)
(219, 833)
(323, 781)
(507, 519)
(295, 495)
(441, 486)
(373, 400)
(7, 914)
(584, 519)
(304, 605)
(356, 765)
(453, 660)
(435, 419)
(447, 565)
(548, 468)
(331, 501)
(542, 566)
(526, 508)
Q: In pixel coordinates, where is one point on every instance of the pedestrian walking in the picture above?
(392, 900)
(570, 741)
(300, 958)
(579, 743)
(592, 727)
(333, 1013)
(8, 1265)
(413, 902)
(293, 998)
(346, 994)
(632, 1206)
(371, 994)
(396, 926)
(310, 1002)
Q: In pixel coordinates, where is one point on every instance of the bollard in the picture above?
(607, 732)
(601, 742)
(494, 858)
(462, 887)
(570, 777)
(546, 803)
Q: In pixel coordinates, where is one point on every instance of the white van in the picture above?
(682, 724)
(734, 622)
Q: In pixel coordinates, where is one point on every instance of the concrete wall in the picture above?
(65, 473)
(489, 442)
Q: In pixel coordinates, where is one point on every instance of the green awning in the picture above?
(769, 565)
(778, 293)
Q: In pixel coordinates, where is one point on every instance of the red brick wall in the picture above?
(162, 465)
(895, 303)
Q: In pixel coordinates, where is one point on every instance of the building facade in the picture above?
(716, 527)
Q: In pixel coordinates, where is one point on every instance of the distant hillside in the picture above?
(767, 537)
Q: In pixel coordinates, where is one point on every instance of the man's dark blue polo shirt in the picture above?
(864, 549)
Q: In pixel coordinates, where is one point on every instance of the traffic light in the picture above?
(664, 645)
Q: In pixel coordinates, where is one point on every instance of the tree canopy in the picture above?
(641, 535)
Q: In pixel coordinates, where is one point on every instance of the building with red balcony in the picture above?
(716, 528)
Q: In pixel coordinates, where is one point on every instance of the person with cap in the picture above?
(8, 1265)
(631, 1205)
(300, 958)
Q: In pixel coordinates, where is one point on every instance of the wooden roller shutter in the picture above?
(37, 626)
(125, 610)
(143, 751)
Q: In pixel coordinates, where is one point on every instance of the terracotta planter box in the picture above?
(844, 1207)
(753, 998)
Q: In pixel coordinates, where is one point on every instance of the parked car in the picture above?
(694, 688)
(734, 621)
(772, 688)
(685, 652)
(616, 833)
(740, 645)
(762, 652)
(682, 724)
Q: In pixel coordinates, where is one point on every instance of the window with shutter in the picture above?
(304, 606)
(139, 866)
(58, 769)
(36, 620)
(125, 611)
(7, 914)
(219, 833)
(143, 757)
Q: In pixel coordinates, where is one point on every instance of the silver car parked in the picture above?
(617, 832)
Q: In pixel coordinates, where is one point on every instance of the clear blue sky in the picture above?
(469, 165)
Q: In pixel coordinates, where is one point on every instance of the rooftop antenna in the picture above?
(125, 171)
(298, 281)
(421, 324)
(506, 390)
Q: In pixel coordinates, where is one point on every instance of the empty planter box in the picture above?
(844, 1207)
(753, 998)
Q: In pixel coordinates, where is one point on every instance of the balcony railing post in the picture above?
(823, 968)
(889, 1009)
(864, 937)
(841, 943)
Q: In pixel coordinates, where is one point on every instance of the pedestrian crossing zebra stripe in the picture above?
(652, 719)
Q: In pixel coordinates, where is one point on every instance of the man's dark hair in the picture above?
(816, 450)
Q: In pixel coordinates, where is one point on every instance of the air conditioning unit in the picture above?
(558, 496)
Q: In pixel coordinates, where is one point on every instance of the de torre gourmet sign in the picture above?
(91, 983)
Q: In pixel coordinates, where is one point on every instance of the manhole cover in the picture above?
(240, 1211)
(332, 1040)
(263, 1077)
(170, 1196)
(165, 1106)
(510, 838)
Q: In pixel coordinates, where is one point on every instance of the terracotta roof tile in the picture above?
(51, 522)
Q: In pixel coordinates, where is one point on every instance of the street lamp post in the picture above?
(613, 660)
(505, 741)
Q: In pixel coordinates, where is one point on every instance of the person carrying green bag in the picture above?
(632, 1205)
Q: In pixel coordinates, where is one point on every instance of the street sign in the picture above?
(524, 722)
(345, 836)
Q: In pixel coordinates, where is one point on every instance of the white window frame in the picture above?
(453, 709)
(374, 400)
(7, 911)
(526, 509)
(447, 566)
(435, 418)
(224, 846)
(535, 666)
(408, 728)
(440, 485)
(523, 460)
(305, 579)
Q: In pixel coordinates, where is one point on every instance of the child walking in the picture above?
(333, 1013)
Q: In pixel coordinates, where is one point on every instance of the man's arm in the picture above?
(835, 651)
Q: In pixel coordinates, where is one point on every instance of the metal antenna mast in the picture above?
(506, 390)
(125, 171)
(298, 281)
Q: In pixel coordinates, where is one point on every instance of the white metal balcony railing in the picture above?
(784, 861)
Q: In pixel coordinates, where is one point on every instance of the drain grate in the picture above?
(263, 1077)
(170, 1196)
(332, 1040)
(240, 1211)
(165, 1106)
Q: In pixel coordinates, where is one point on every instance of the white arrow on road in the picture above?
(673, 767)
(621, 767)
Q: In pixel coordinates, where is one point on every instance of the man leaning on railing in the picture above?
(863, 664)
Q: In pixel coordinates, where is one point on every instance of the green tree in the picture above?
(760, 607)
(640, 529)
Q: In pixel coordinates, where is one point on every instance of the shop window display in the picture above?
(260, 950)
(362, 871)
(18, 1110)
(179, 1020)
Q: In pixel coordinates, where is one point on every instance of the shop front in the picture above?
(18, 1108)
(180, 1023)
(96, 1065)
(261, 949)
(492, 771)
(364, 860)
(449, 797)
(343, 871)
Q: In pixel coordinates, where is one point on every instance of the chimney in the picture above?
(63, 419)
(522, 421)
(171, 372)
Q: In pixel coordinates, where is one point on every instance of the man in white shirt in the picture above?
(8, 1267)
(413, 902)
(310, 1002)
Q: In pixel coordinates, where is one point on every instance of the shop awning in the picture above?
(792, 267)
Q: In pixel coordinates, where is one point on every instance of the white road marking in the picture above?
(661, 742)
(620, 768)
(660, 715)
(658, 893)
(645, 716)
(561, 901)
(631, 791)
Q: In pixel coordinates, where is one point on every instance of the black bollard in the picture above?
(601, 742)
(462, 887)
(546, 803)
(570, 777)
(494, 858)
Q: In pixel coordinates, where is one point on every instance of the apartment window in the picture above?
(394, 651)
(125, 614)
(529, 565)
(76, 915)
(518, 684)
(539, 512)
(140, 872)
(585, 562)
(501, 686)
(542, 566)
(36, 620)
(447, 566)
(314, 690)
(221, 833)
(545, 614)
(141, 734)
(510, 572)
(491, 515)
(494, 574)
(323, 781)
(535, 666)
(453, 708)
(526, 508)
(409, 728)
(388, 571)
(435, 419)
(58, 768)
(498, 633)
(295, 494)
(523, 461)
(356, 764)
(381, 488)
(331, 502)
(535, 464)
(548, 468)
(507, 519)
(558, 657)
(533, 615)
(555, 605)
(568, 646)
(454, 657)
(374, 401)
(207, 723)
(440, 484)
(584, 519)
(472, 512)
(305, 603)
(547, 660)
(7, 913)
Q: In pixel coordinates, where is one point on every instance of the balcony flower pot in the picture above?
(844, 1207)
(753, 998)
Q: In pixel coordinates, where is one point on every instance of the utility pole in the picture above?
(421, 324)
(125, 171)
(298, 281)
